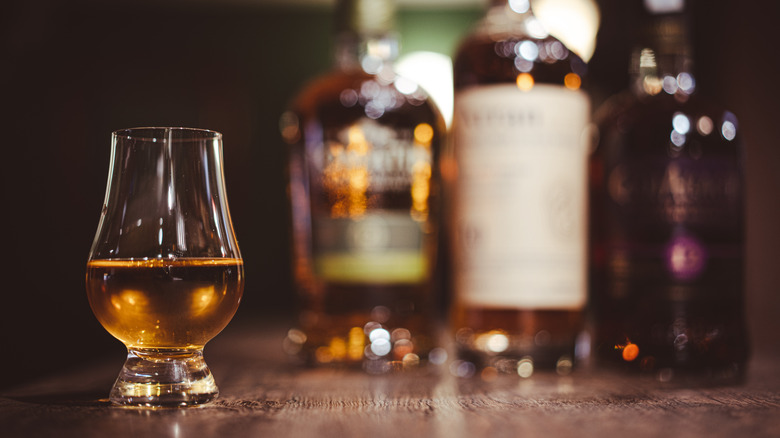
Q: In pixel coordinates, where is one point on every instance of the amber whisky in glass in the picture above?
(158, 303)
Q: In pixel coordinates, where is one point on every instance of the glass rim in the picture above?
(164, 134)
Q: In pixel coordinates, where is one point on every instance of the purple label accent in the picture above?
(685, 257)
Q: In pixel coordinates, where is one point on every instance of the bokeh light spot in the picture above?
(630, 352)
(525, 81)
(572, 81)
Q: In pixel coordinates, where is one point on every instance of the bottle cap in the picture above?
(664, 6)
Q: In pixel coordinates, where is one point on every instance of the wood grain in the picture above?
(262, 395)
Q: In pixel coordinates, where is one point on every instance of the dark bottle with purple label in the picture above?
(667, 220)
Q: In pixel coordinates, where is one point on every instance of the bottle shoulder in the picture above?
(631, 103)
(666, 126)
(485, 58)
(341, 96)
(326, 87)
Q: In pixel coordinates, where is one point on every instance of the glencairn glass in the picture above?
(165, 274)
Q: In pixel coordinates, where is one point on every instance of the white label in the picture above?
(520, 197)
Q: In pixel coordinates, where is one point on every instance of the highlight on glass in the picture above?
(164, 273)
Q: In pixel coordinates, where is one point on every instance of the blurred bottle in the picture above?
(364, 188)
(519, 193)
(667, 217)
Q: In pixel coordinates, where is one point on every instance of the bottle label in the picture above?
(520, 196)
(704, 192)
(376, 179)
(382, 247)
(367, 160)
(674, 229)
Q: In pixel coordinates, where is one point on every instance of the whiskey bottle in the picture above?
(364, 189)
(667, 221)
(518, 195)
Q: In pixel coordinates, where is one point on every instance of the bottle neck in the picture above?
(371, 53)
(365, 38)
(514, 18)
(663, 62)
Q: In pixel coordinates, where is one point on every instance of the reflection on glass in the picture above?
(574, 22)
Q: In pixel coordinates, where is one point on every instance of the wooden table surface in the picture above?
(263, 395)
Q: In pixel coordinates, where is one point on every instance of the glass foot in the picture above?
(164, 378)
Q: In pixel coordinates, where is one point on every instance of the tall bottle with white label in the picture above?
(519, 195)
(364, 146)
(667, 204)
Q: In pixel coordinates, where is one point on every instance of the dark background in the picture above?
(73, 72)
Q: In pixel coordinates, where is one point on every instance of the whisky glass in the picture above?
(164, 273)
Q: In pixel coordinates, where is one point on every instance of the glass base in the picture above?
(164, 378)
